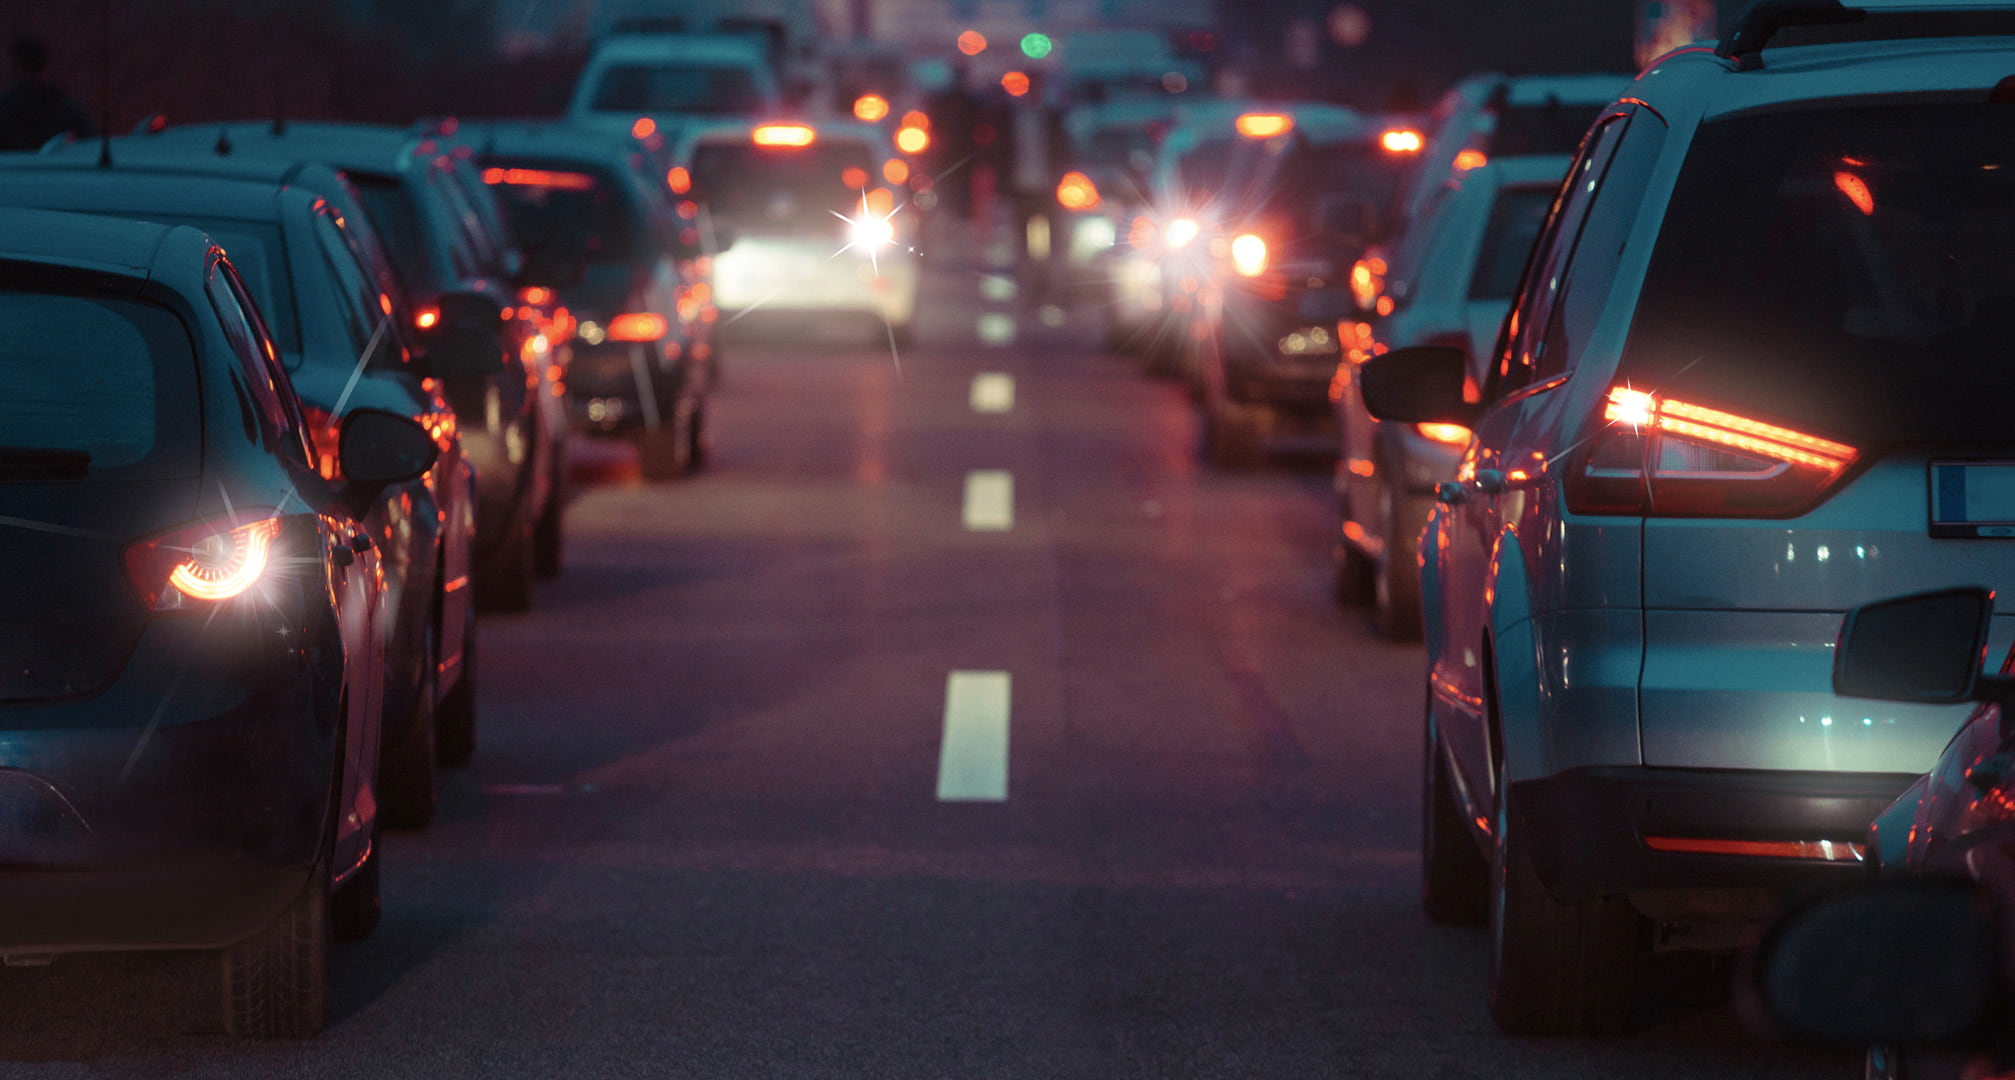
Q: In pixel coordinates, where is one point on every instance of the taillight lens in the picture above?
(1077, 192)
(637, 326)
(199, 565)
(1661, 457)
(1446, 434)
(327, 435)
(1248, 255)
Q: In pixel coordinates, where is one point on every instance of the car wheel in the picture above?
(455, 720)
(664, 453)
(508, 586)
(696, 439)
(354, 907)
(1557, 969)
(276, 982)
(1455, 877)
(408, 773)
(1396, 586)
(1352, 586)
(549, 534)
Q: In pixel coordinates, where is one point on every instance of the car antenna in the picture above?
(223, 145)
(280, 112)
(105, 85)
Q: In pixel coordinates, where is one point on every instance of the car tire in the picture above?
(1352, 585)
(276, 983)
(549, 534)
(508, 586)
(455, 720)
(664, 453)
(354, 906)
(697, 439)
(409, 786)
(1557, 968)
(1396, 585)
(1454, 875)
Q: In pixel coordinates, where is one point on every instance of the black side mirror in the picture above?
(1326, 307)
(377, 449)
(470, 308)
(1924, 648)
(551, 268)
(1909, 963)
(1421, 384)
(455, 351)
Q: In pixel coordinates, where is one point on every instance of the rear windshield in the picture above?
(1515, 218)
(1202, 168)
(1842, 268)
(398, 224)
(682, 88)
(254, 248)
(561, 206)
(781, 186)
(1287, 176)
(1552, 128)
(94, 383)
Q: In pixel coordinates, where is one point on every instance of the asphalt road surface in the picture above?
(704, 835)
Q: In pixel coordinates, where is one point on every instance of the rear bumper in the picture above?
(609, 386)
(779, 275)
(1592, 829)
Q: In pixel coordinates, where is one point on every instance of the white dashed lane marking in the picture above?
(995, 328)
(997, 287)
(972, 761)
(989, 500)
(993, 392)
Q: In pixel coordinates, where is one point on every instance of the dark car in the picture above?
(192, 695)
(312, 264)
(1296, 208)
(1910, 967)
(635, 281)
(453, 269)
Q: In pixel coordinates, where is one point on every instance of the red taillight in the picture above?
(1662, 457)
(327, 434)
(637, 326)
(426, 318)
(199, 565)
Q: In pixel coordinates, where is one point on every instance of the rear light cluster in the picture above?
(200, 565)
(326, 434)
(783, 135)
(1249, 255)
(1077, 192)
(1662, 457)
(637, 326)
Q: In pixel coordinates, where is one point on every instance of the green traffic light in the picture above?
(1036, 46)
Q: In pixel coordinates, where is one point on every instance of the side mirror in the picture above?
(1325, 307)
(455, 351)
(1421, 384)
(1909, 963)
(377, 448)
(1924, 648)
(470, 308)
(551, 268)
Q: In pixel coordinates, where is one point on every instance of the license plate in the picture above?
(1971, 499)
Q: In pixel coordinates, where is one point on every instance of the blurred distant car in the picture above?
(1489, 116)
(1299, 203)
(1450, 281)
(192, 623)
(306, 254)
(1114, 63)
(668, 80)
(1755, 376)
(637, 278)
(815, 228)
(1112, 147)
(453, 271)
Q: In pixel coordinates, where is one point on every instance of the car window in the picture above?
(1518, 354)
(256, 252)
(782, 187)
(686, 88)
(1591, 270)
(1516, 215)
(397, 222)
(280, 421)
(365, 322)
(1842, 268)
(565, 206)
(119, 382)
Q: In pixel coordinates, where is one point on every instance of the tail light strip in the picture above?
(1813, 850)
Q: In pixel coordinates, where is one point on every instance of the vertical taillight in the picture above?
(204, 564)
(1657, 456)
(327, 435)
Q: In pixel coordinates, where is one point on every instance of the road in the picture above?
(704, 837)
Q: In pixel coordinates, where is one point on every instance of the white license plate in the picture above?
(1973, 499)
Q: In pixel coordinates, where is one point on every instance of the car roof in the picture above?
(554, 138)
(1522, 170)
(355, 147)
(129, 159)
(1797, 73)
(90, 241)
(189, 194)
(691, 135)
(619, 48)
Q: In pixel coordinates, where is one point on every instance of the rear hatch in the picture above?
(100, 444)
(788, 191)
(1833, 300)
(577, 211)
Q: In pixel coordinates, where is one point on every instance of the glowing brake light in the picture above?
(426, 318)
(1076, 192)
(1663, 457)
(1446, 434)
(202, 564)
(679, 179)
(1263, 125)
(1401, 141)
(795, 135)
(637, 326)
(644, 128)
(326, 434)
(545, 178)
(870, 107)
(1466, 160)
(913, 140)
(1248, 255)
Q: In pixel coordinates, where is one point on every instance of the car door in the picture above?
(1472, 525)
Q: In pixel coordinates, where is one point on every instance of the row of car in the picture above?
(284, 404)
(1640, 388)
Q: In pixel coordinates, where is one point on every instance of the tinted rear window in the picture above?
(1842, 268)
(1515, 218)
(562, 206)
(682, 88)
(254, 248)
(397, 223)
(1553, 128)
(110, 377)
(781, 186)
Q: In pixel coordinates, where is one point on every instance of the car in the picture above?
(306, 254)
(645, 82)
(643, 349)
(1760, 320)
(452, 270)
(1450, 281)
(1112, 147)
(1298, 204)
(194, 624)
(815, 230)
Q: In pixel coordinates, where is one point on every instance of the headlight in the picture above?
(1180, 232)
(1248, 255)
(871, 232)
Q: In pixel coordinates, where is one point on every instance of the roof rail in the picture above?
(1763, 19)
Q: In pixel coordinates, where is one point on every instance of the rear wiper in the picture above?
(43, 463)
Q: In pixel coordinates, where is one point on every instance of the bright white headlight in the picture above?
(871, 232)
